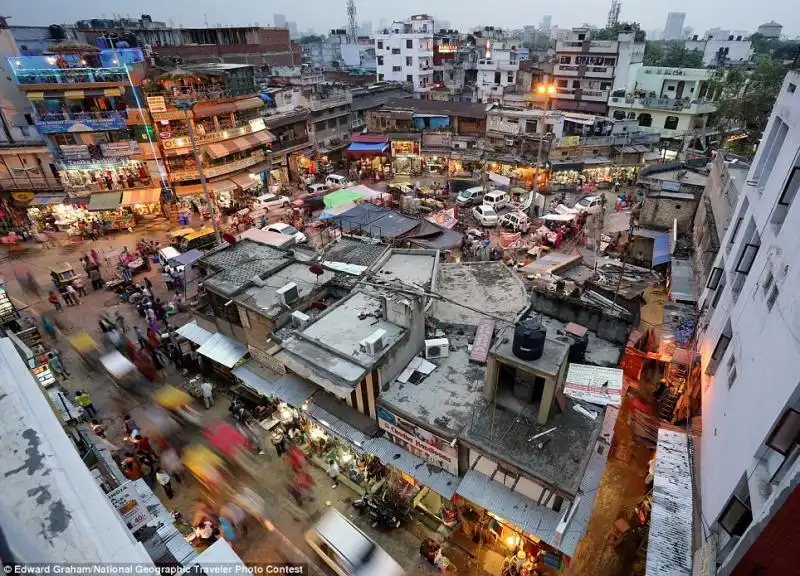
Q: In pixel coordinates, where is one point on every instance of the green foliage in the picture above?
(774, 47)
(745, 99)
(612, 32)
(672, 55)
(311, 39)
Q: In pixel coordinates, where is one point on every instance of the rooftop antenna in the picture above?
(205, 16)
(613, 13)
(352, 23)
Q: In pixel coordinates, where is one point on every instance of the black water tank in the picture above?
(529, 336)
(577, 350)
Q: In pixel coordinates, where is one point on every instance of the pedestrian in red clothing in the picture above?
(142, 444)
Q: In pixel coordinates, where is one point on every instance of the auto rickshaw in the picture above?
(63, 275)
(177, 236)
(206, 466)
(86, 348)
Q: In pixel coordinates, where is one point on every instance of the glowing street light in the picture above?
(548, 91)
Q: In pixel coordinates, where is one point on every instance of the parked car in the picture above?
(336, 181)
(287, 230)
(311, 201)
(470, 196)
(516, 221)
(590, 204)
(347, 550)
(271, 202)
(485, 215)
(317, 188)
(497, 199)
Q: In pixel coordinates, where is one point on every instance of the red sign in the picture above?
(483, 341)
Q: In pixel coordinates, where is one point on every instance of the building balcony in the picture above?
(593, 95)
(645, 137)
(596, 71)
(317, 103)
(26, 184)
(179, 134)
(566, 70)
(212, 170)
(177, 95)
(290, 145)
(71, 155)
(565, 93)
(596, 46)
(62, 122)
(73, 78)
(685, 106)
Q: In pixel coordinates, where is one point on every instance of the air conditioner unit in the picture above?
(437, 348)
(300, 320)
(287, 294)
(509, 141)
(373, 343)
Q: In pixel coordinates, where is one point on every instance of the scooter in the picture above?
(239, 411)
(379, 512)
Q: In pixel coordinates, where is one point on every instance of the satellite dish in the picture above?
(316, 270)
(229, 238)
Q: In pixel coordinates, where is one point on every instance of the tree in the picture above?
(653, 53)
(671, 54)
(612, 32)
(745, 100)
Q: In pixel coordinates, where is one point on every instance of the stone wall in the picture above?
(609, 325)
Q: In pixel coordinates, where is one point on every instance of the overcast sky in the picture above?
(321, 15)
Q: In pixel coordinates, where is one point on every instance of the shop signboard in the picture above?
(95, 124)
(257, 124)
(156, 104)
(420, 442)
(405, 148)
(267, 360)
(126, 500)
(119, 149)
(75, 152)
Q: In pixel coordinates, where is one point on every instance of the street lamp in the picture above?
(185, 104)
(548, 91)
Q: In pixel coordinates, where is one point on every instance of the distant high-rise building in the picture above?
(279, 20)
(292, 26)
(546, 23)
(365, 29)
(673, 30)
(687, 33)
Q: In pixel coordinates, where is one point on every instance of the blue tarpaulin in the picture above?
(188, 257)
(374, 147)
(431, 122)
(661, 254)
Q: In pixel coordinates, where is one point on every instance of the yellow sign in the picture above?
(156, 104)
(23, 197)
(267, 360)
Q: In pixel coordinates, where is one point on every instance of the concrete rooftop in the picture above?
(409, 267)
(599, 351)
(562, 459)
(486, 286)
(237, 265)
(555, 352)
(681, 175)
(264, 299)
(354, 251)
(444, 400)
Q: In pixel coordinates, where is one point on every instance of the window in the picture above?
(773, 296)
(719, 350)
(714, 278)
(645, 120)
(747, 258)
(631, 115)
(787, 196)
(409, 44)
(671, 123)
(791, 88)
(736, 230)
(576, 84)
(670, 88)
(619, 115)
(609, 61)
(561, 83)
(380, 44)
(772, 147)
(395, 50)
(396, 68)
(380, 60)
(565, 59)
(786, 434)
(409, 77)
(380, 77)
(332, 123)
(511, 77)
(736, 516)
(409, 61)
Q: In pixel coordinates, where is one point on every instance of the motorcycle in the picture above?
(240, 412)
(380, 512)
(431, 550)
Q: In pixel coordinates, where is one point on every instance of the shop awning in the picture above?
(188, 258)
(217, 186)
(518, 510)
(44, 199)
(223, 350)
(194, 333)
(244, 180)
(221, 149)
(367, 148)
(290, 388)
(565, 165)
(145, 196)
(337, 425)
(438, 480)
(104, 201)
(636, 149)
(205, 109)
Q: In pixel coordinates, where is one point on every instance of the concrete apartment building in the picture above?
(586, 71)
(497, 67)
(673, 101)
(750, 356)
(727, 50)
(404, 52)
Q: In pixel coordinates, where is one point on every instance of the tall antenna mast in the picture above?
(352, 21)
(613, 13)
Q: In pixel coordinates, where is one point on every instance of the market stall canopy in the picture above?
(339, 197)
(559, 217)
(104, 201)
(332, 212)
(223, 350)
(45, 199)
(188, 258)
(194, 333)
(246, 180)
(228, 147)
(217, 187)
(431, 236)
(376, 220)
(290, 388)
(145, 196)
(367, 148)
(205, 109)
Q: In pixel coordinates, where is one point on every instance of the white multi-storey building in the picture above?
(497, 68)
(718, 51)
(404, 52)
(749, 344)
(673, 29)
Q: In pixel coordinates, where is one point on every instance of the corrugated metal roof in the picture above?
(195, 333)
(167, 543)
(223, 350)
(427, 474)
(669, 545)
(290, 388)
(337, 426)
(682, 284)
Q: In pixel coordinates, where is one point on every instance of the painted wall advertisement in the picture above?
(126, 500)
(420, 442)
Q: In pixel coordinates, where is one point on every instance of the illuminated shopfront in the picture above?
(405, 157)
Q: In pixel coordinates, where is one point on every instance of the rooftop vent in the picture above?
(300, 320)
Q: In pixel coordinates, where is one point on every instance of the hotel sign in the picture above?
(114, 122)
(420, 442)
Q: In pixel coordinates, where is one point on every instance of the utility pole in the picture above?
(547, 90)
(186, 105)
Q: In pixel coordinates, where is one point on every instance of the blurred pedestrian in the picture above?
(85, 401)
(131, 467)
(140, 337)
(49, 327)
(163, 478)
(333, 472)
(98, 429)
(278, 440)
(80, 286)
(208, 394)
(150, 315)
(119, 320)
(56, 366)
(148, 469)
(72, 294)
(171, 463)
(55, 301)
(142, 444)
(94, 256)
(129, 426)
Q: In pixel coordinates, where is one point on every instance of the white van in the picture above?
(167, 255)
(347, 550)
(470, 196)
(336, 181)
(496, 199)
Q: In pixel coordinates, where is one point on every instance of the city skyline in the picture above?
(727, 14)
